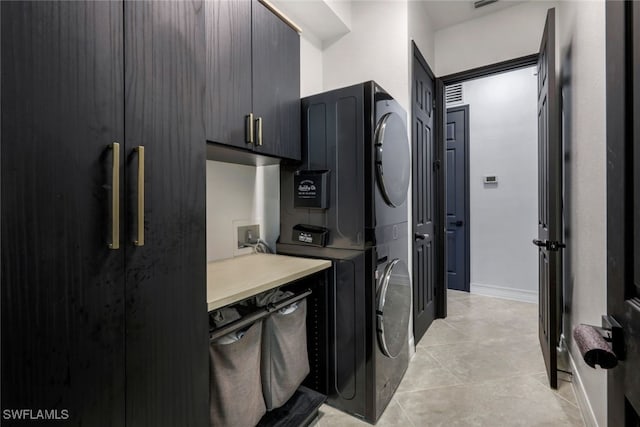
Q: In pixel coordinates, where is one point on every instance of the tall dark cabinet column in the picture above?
(62, 288)
(107, 336)
(166, 321)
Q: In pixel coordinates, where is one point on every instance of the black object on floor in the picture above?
(299, 411)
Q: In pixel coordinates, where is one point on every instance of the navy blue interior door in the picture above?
(457, 134)
(424, 196)
(549, 202)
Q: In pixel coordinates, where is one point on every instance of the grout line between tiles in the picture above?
(475, 382)
(507, 377)
(557, 393)
(472, 383)
(406, 414)
(486, 351)
(437, 387)
(462, 382)
(442, 365)
(470, 338)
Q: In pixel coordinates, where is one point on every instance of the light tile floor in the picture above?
(481, 366)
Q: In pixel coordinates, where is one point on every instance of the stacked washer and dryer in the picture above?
(347, 203)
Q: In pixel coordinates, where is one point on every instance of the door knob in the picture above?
(540, 243)
(549, 245)
(419, 236)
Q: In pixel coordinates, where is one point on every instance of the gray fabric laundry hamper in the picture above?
(285, 362)
(235, 388)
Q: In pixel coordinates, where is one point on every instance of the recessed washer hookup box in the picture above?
(311, 189)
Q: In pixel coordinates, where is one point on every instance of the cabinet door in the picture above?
(228, 76)
(62, 293)
(276, 83)
(166, 317)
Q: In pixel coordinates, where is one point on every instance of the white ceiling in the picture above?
(443, 13)
(322, 21)
(319, 21)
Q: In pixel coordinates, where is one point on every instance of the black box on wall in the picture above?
(311, 189)
(310, 235)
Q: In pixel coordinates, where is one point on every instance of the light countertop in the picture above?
(232, 280)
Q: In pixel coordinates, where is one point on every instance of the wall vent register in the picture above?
(454, 95)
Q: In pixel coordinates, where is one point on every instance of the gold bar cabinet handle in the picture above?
(248, 128)
(139, 240)
(115, 197)
(259, 131)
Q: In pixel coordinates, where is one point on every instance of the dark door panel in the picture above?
(228, 76)
(276, 85)
(623, 206)
(423, 196)
(549, 201)
(62, 288)
(166, 318)
(457, 141)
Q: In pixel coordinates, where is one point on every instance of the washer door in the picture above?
(392, 159)
(393, 307)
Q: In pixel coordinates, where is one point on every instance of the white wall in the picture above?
(375, 49)
(582, 24)
(506, 34)
(421, 31)
(310, 68)
(240, 194)
(342, 8)
(503, 142)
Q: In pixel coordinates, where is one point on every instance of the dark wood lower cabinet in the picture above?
(107, 337)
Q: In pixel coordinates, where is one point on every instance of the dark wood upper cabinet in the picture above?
(276, 83)
(228, 94)
(253, 67)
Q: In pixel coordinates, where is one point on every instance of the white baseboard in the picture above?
(412, 347)
(505, 293)
(411, 337)
(581, 396)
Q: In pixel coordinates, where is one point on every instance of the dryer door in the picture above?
(392, 159)
(393, 308)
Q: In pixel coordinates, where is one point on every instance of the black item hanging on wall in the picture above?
(311, 189)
